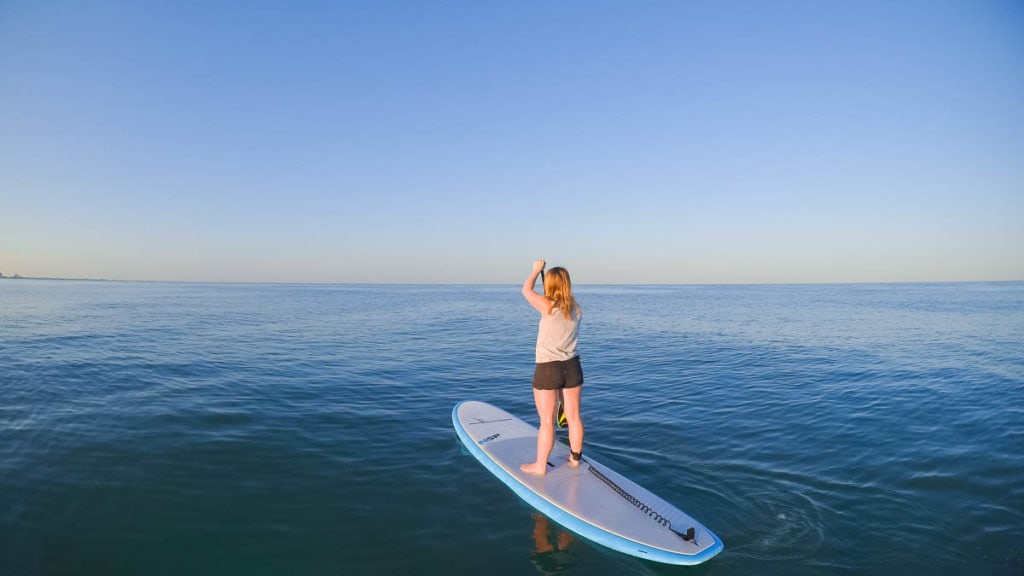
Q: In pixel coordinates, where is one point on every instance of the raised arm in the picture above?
(538, 301)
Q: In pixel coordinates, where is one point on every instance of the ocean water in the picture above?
(175, 428)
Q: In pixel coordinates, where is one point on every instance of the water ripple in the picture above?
(167, 428)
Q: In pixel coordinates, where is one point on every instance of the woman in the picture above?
(558, 364)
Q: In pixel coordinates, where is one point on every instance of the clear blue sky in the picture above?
(456, 141)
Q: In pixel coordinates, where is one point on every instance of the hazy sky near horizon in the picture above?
(456, 141)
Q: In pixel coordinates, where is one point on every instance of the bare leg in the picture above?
(545, 401)
(571, 405)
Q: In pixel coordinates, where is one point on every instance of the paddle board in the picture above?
(591, 500)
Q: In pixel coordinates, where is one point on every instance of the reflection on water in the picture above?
(552, 547)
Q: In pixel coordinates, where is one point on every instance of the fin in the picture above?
(690, 535)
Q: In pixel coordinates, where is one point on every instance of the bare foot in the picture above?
(574, 463)
(537, 469)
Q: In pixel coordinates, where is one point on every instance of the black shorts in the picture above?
(559, 374)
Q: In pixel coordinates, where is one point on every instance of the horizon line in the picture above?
(587, 284)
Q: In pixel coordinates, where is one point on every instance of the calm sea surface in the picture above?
(162, 428)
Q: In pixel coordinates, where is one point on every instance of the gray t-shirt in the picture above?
(556, 336)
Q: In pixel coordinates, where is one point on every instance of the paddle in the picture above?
(560, 420)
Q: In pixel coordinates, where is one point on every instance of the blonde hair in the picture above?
(558, 290)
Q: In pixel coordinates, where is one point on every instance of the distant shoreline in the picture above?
(17, 277)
